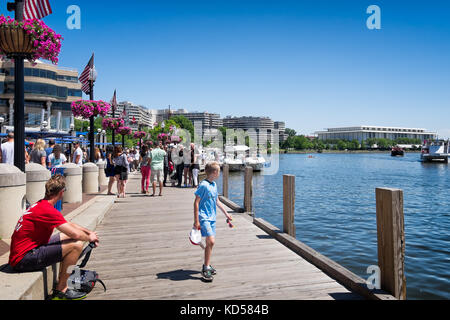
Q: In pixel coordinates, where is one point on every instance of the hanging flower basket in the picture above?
(112, 123)
(88, 108)
(163, 136)
(30, 39)
(125, 131)
(140, 135)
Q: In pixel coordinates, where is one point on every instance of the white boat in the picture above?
(256, 162)
(235, 156)
(435, 151)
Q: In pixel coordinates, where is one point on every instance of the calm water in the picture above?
(335, 211)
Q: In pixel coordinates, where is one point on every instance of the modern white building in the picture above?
(362, 133)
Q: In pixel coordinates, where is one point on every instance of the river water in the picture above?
(335, 211)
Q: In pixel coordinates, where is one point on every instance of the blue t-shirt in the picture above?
(207, 191)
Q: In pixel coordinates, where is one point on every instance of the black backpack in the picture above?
(84, 280)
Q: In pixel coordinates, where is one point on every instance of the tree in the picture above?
(184, 123)
(290, 132)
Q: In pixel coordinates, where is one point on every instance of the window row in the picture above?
(42, 89)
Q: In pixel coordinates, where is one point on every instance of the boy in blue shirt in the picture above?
(205, 206)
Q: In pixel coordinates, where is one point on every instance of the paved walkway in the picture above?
(145, 253)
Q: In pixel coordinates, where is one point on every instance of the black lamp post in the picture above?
(19, 95)
(92, 78)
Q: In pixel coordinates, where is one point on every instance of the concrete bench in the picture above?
(38, 285)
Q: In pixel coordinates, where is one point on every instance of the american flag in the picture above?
(84, 76)
(36, 9)
(114, 102)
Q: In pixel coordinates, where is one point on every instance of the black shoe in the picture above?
(213, 271)
(207, 274)
(68, 295)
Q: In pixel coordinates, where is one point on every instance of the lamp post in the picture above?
(19, 95)
(92, 78)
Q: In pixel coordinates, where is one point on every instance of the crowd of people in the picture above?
(158, 164)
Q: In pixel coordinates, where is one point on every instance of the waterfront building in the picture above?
(362, 133)
(49, 92)
(135, 115)
(260, 125)
(281, 127)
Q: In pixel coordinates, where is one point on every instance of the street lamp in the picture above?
(19, 93)
(92, 78)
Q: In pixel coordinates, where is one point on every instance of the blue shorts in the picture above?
(208, 228)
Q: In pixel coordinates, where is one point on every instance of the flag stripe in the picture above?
(37, 9)
(84, 76)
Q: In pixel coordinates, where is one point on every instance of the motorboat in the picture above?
(235, 157)
(256, 162)
(435, 151)
(397, 151)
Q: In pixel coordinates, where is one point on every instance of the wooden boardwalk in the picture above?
(145, 254)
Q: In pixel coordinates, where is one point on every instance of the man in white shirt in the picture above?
(7, 150)
(77, 155)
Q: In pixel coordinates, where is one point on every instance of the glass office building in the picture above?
(49, 92)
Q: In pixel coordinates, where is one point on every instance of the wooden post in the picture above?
(288, 204)
(225, 174)
(391, 241)
(248, 189)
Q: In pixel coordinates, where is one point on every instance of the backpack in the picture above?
(84, 280)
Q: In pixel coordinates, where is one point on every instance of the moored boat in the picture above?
(435, 151)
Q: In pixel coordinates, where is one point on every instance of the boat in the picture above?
(435, 151)
(397, 151)
(256, 162)
(234, 157)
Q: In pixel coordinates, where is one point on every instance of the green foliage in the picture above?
(184, 123)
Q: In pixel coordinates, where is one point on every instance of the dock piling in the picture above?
(288, 204)
(391, 241)
(248, 189)
(225, 174)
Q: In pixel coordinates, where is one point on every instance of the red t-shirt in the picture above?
(34, 229)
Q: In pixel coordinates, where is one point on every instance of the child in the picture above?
(205, 214)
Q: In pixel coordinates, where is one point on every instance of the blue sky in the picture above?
(313, 64)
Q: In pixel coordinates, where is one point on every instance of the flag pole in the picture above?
(92, 77)
(114, 116)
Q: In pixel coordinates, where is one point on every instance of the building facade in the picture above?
(362, 133)
(49, 92)
(135, 115)
(256, 127)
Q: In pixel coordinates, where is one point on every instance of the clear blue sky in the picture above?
(313, 64)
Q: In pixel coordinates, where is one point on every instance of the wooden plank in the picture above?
(391, 241)
(289, 204)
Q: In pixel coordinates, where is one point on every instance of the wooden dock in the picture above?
(145, 253)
